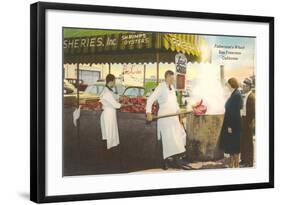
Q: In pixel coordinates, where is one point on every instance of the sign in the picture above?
(133, 74)
(181, 63)
(104, 42)
(135, 39)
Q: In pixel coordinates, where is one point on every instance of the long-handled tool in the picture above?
(171, 115)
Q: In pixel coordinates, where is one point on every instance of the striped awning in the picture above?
(133, 47)
(188, 44)
(182, 43)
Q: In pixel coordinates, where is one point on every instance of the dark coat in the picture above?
(230, 142)
(247, 145)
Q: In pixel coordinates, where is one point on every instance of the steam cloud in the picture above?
(207, 86)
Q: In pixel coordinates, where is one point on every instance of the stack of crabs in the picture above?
(129, 104)
(138, 104)
(135, 104)
(199, 109)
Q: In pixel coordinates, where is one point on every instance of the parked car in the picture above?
(91, 94)
(73, 81)
(68, 87)
(98, 87)
(134, 99)
(134, 91)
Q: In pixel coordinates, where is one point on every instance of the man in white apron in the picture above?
(109, 127)
(169, 129)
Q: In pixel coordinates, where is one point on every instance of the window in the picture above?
(89, 77)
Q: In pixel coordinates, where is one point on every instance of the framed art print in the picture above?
(129, 102)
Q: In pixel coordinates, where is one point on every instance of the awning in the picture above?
(131, 47)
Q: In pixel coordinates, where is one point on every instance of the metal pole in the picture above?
(157, 68)
(144, 73)
(109, 68)
(77, 83)
(78, 121)
(123, 77)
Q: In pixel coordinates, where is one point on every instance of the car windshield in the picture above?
(134, 92)
(97, 89)
(94, 89)
(120, 89)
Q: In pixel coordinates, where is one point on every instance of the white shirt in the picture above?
(108, 100)
(160, 94)
(245, 98)
(169, 129)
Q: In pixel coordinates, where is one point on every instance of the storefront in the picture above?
(139, 149)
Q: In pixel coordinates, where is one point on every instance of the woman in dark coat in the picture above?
(231, 129)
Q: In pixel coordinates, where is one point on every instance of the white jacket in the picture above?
(169, 129)
(109, 127)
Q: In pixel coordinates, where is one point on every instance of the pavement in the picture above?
(219, 164)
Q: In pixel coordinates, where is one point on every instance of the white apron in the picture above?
(169, 129)
(108, 120)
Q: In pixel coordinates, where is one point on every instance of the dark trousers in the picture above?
(247, 144)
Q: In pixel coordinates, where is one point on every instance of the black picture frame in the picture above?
(38, 100)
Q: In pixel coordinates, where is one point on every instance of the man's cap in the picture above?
(248, 82)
